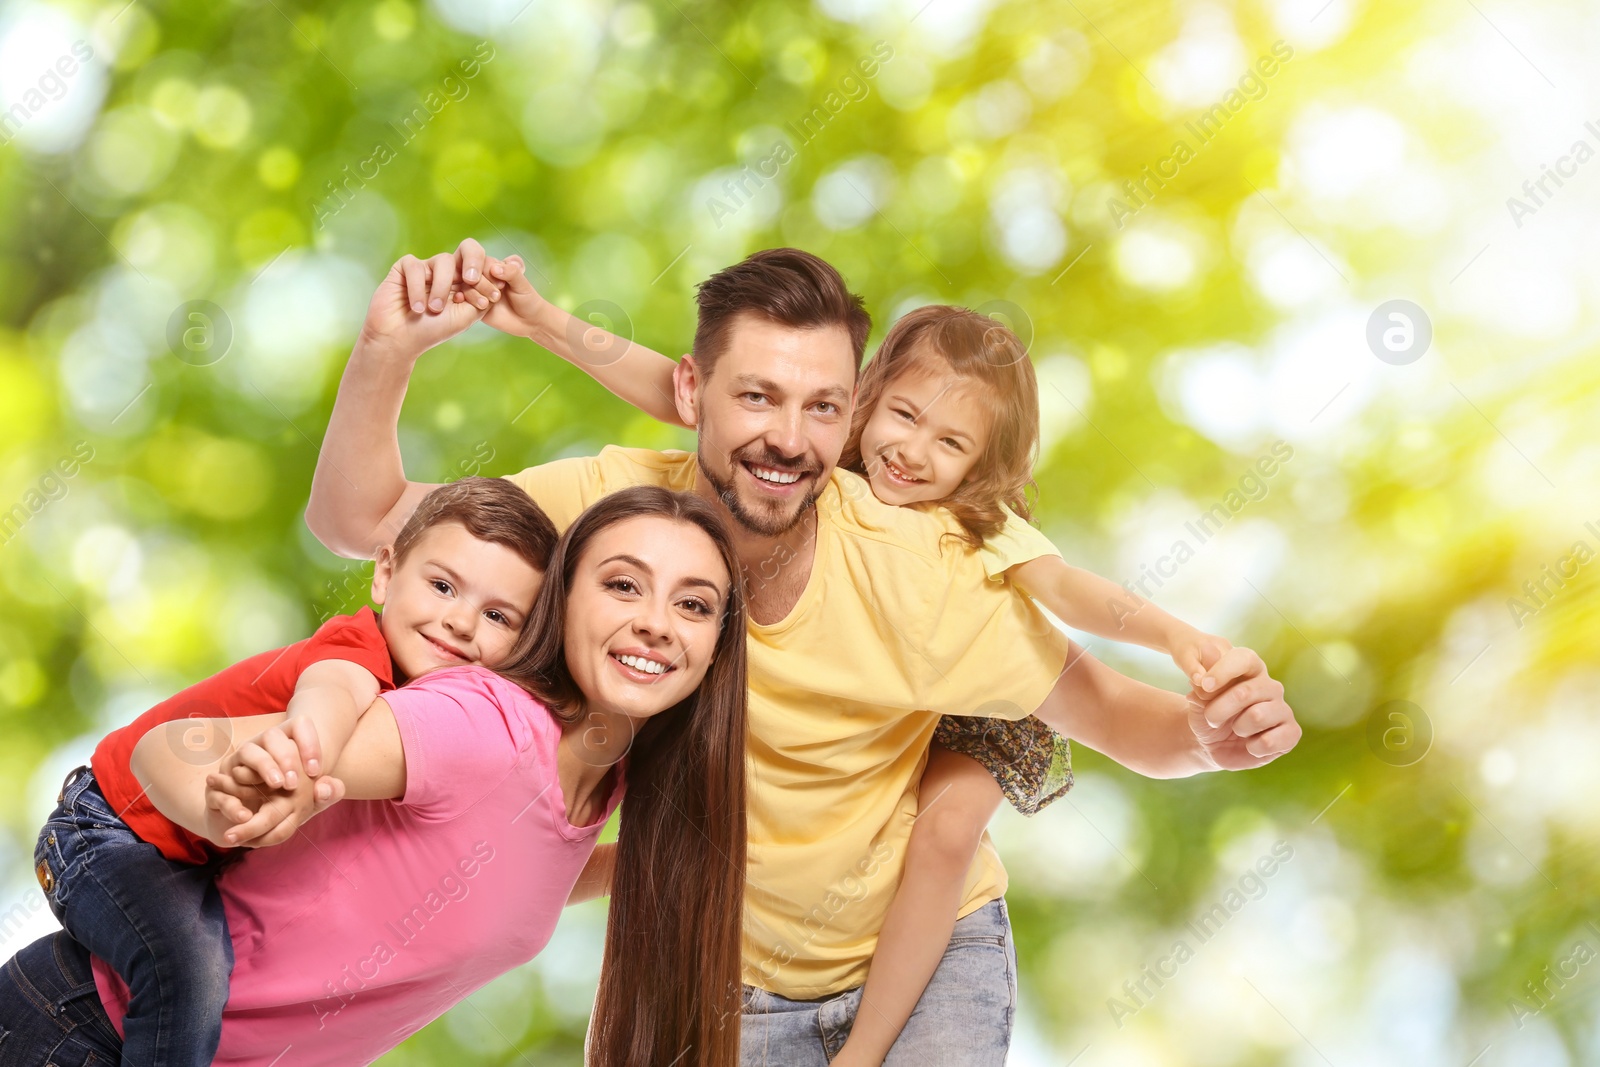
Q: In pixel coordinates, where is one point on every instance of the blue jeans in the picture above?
(963, 1019)
(50, 1014)
(159, 924)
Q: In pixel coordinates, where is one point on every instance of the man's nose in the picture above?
(786, 436)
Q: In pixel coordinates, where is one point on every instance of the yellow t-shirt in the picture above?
(1016, 542)
(889, 634)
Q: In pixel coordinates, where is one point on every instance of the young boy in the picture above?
(136, 888)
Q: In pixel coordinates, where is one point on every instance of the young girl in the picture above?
(947, 415)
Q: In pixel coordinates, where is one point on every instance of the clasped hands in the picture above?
(268, 787)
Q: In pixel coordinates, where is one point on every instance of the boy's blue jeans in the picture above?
(159, 924)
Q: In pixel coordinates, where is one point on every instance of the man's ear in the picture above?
(382, 573)
(686, 385)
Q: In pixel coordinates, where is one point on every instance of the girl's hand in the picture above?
(516, 308)
(1196, 652)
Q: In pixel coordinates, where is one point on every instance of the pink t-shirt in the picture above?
(379, 915)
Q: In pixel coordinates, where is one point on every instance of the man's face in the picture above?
(772, 419)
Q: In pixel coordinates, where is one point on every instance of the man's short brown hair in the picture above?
(492, 510)
(785, 286)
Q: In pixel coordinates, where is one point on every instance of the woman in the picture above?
(473, 801)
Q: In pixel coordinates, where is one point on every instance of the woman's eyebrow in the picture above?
(635, 561)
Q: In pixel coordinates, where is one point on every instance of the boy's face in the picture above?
(453, 600)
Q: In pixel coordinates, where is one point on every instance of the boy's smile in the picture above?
(453, 600)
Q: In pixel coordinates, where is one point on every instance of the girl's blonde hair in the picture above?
(978, 348)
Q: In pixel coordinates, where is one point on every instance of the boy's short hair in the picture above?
(782, 285)
(492, 510)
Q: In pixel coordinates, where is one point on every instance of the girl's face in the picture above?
(643, 615)
(925, 435)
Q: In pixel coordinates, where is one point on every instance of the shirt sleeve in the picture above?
(562, 487)
(461, 737)
(355, 638)
(984, 648)
(1016, 542)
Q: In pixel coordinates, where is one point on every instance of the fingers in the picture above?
(1222, 710)
(268, 816)
(330, 791)
(284, 754)
(254, 757)
(303, 732)
(470, 258)
(1233, 664)
(442, 270)
(416, 281)
(1188, 661)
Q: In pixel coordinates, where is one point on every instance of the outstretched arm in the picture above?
(639, 375)
(1085, 601)
(1240, 722)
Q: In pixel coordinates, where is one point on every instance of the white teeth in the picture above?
(649, 666)
(774, 476)
(898, 473)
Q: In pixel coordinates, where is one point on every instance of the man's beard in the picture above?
(764, 521)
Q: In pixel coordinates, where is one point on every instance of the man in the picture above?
(862, 632)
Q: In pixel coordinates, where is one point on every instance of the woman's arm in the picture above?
(1085, 601)
(172, 761)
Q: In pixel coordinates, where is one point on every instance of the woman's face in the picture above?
(643, 615)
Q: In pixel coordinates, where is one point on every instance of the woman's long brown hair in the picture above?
(973, 346)
(670, 979)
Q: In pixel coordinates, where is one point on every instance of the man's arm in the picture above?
(1241, 722)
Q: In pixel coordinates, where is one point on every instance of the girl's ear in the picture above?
(382, 573)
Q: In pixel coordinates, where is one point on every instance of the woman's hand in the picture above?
(240, 815)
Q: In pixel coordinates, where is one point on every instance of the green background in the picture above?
(1440, 861)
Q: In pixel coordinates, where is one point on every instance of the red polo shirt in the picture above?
(260, 685)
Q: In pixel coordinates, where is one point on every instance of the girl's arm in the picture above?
(595, 880)
(639, 375)
(1088, 602)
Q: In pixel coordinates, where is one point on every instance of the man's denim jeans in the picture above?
(964, 1018)
(158, 923)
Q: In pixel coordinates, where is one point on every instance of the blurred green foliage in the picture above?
(274, 160)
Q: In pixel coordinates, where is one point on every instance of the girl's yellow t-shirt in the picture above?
(891, 631)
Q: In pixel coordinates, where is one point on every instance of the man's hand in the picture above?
(1238, 714)
(253, 816)
(412, 310)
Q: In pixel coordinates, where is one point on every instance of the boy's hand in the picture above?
(250, 816)
(1195, 652)
(1238, 713)
(277, 757)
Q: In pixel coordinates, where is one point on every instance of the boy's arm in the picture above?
(639, 375)
(1085, 601)
(332, 694)
(174, 771)
(1241, 721)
